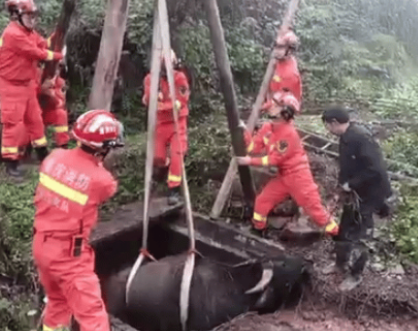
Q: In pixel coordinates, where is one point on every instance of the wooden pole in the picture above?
(56, 42)
(109, 54)
(227, 86)
(229, 177)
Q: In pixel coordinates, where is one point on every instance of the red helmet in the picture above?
(287, 99)
(98, 129)
(21, 6)
(288, 39)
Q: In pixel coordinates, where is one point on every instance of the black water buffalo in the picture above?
(218, 292)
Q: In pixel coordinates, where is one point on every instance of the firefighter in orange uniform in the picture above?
(72, 185)
(52, 100)
(286, 75)
(283, 148)
(165, 130)
(21, 48)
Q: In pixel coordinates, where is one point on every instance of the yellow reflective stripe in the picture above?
(60, 328)
(50, 55)
(39, 142)
(265, 140)
(265, 160)
(9, 150)
(250, 147)
(60, 129)
(331, 226)
(173, 178)
(1, 42)
(277, 78)
(63, 190)
(177, 105)
(259, 218)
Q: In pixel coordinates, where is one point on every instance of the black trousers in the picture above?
(352, 242)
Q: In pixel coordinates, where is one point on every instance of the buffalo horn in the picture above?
(265, 280)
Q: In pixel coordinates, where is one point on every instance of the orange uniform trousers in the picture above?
(71, 285)
(20, 113)
(167, 138)
(301, 186)
(59, 119)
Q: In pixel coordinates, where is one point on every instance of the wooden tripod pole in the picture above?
(228, 91)
(229, 177)
(152, 111)
(190, 261)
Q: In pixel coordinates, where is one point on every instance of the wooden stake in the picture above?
(58, 39)
(109, 54)
(227, 86)
(229, 177)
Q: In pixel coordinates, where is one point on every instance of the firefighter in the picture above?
(72, 185)
(363, 174)
(283, 149)
(52, 100)
(286, 75)
(21, 48)
(165, 130)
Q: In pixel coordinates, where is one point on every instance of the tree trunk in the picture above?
(109, 54)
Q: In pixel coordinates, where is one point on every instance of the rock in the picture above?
(296, 232)
(377, 267)
(397, 270)
(278, 223)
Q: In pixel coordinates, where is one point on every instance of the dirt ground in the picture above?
(387, 299)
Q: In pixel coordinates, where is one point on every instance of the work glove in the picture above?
(58, 56)
(346, 187)
(242, 125)
(332, 228)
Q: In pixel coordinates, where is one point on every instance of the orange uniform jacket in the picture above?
(30, 47)
(286, 77)
(281, 144)
(72, 185)
(165, 105)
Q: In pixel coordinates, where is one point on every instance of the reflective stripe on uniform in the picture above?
(259, 218)
(265, 160)
(50, 55)
(63, 190)
(39, 142)
(265, 140)
(60, 129)
(250, 147)
(48, 42)
(331, 226)
(277, 78)
(60, 328)
(9, 150)
(173, 178)
(1, 42)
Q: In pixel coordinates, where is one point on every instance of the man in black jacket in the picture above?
(363, 174)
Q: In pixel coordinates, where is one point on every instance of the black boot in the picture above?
(12, 169)
(173, 196)
(42, 153)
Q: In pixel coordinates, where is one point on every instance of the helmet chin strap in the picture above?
(21, 22)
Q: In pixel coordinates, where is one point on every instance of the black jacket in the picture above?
(362, 166)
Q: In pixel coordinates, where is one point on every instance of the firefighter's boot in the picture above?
(12, 169)
(42, 153)
(174, 196)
